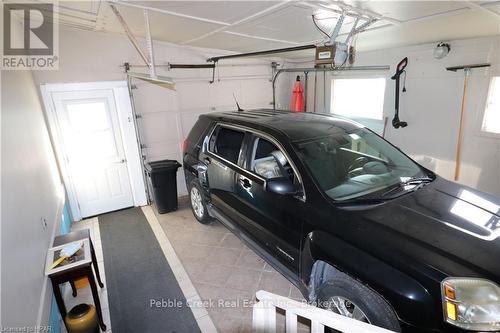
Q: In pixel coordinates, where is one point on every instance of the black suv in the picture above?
(354, 223)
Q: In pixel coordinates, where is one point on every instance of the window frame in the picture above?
(480, 121)
(209, 139)
(357, 77)
(252, 150)
(245, 150)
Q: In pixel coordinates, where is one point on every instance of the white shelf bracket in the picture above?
(147, 57)
(129, 33)
(149, 43)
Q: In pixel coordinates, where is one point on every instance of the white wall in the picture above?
(167, 116)
(431, 106)
(31, 192)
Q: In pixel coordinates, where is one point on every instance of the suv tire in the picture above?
(198, 204)
(342, 294)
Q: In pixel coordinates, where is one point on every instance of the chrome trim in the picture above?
(260, 134)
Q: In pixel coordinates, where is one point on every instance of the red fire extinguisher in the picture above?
(297, 104)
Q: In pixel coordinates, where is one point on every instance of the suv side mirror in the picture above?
(281, 185)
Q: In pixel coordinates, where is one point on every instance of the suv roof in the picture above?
(295, 125)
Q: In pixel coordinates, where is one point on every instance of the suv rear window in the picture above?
(226, 143)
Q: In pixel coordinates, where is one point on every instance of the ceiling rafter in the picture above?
(241, 21)
(169, 12)
(473, 5)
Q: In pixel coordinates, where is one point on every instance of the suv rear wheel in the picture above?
(198, 205)
(348, 297)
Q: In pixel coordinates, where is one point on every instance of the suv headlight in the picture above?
(471, 304)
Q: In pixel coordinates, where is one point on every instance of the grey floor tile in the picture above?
(208, 237)
(274, 283)
(222, 256)
(243, 279)
(231, 241)
(214, 275)
(249, 259)
(295, 294)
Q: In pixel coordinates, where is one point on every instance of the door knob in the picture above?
(122, 161)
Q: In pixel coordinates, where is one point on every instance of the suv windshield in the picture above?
(351, 165)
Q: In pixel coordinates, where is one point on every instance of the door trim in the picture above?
(127, 132)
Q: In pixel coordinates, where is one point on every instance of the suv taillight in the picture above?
(185, 145)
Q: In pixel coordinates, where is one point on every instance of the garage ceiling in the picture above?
(244, 26)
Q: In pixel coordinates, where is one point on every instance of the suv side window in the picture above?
(226, 143)
(268, 161)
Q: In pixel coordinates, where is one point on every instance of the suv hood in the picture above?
(459, 207)
(452, 228)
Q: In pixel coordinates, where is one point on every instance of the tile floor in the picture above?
(84, 294)
(222, 269)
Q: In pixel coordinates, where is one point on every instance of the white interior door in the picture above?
(92, 142)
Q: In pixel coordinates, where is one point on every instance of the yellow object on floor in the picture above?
(82, 319)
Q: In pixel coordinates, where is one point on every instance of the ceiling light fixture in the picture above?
(441, 50)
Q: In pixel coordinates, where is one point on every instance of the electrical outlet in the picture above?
(44, 223)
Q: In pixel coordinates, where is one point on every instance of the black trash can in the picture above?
(162, 184)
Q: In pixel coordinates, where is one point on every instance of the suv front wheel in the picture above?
(348, 297)
(198, 205)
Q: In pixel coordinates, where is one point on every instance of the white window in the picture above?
(358, 98)
(491, 119)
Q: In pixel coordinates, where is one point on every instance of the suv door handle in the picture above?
(207, 161)
(245, 182)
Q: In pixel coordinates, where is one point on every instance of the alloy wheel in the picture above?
(196, 202)
(346, 307)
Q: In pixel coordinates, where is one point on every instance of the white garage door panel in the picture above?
(221, 93)
(151, 98)
(188, 120)
(258, 93)
(161, 151)
(193, 95)
(159, 127)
